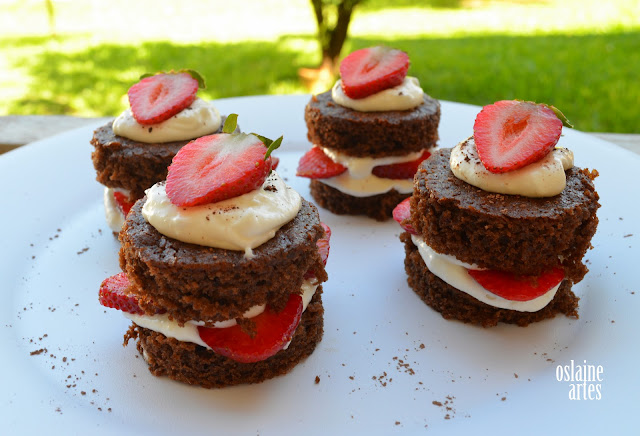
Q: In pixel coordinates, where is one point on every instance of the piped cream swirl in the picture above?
(407, 95)
(199, 119)
(239, 223)
(544, 178)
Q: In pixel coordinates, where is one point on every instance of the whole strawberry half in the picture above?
(114, 293)
(217, 167)
(514, 287)
(402, 214)
(511, 134)
(403, 170)
(157, 98)
(272, 332)
(315, 164)
(370, 70)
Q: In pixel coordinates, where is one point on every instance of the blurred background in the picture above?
(79, 57)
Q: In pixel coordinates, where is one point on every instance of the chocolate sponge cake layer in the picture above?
(371, 134)
(378, 207)
(505, 232)
(194, 282)
(127, 164)
(193, 364)
(455, 304)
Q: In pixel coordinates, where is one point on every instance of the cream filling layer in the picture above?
(113, 214)
(199, 119)
(189, 331)
(239, 223)
(407, 95)
(359, 181)
(544, 178)
(455, 273)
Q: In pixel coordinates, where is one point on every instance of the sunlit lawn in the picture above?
(582, 56)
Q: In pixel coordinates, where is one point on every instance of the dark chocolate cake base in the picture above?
(192, 281)
(378, 207)
(505, 232)
(371, 134)
(455, 304)
(193, 364)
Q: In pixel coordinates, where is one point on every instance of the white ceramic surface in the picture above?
(385, 357)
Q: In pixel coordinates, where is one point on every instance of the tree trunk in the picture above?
(331, 37)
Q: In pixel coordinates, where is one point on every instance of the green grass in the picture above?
(581, 56)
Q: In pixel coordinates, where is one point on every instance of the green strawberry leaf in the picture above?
(560, 115)
(270, 144)
(230, 123)
(274, 144)
(193, 73)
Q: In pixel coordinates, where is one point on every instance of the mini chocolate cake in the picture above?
(371, 134)
(132, 165)
(368, 135)
(196, 283)
(508, 233)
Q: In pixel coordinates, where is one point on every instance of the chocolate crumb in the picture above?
(317, 379)
(84, 250)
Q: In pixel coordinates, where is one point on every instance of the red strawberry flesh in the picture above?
(512, 134)
(157, 98)
(404, 170)
(217, 167)
(114, 293)
(315, 164)
(517, 288)
(123, 202)
(370, 70)
(272, 332)
(402, 215)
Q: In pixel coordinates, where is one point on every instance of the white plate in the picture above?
(385, 357)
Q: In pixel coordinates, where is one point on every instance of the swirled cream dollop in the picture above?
(544, 178)
(407, 95)
(240, 223)
(359, 181)
(199, 119)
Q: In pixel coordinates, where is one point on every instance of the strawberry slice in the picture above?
(514, 287)
(323, 249)
(217, 167)
(272, 332)
(158, 98)
(315, 164)
(114, 293)
(512, 134)
(403, 170)
(370, 70)
(402, 214)
(123, 202)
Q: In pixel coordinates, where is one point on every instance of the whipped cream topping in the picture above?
(544, 178)
(358, 181)
(199, 119)
(113, 214)
(407, 95)
(189, 331)
(455, 274)
(239, 223)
